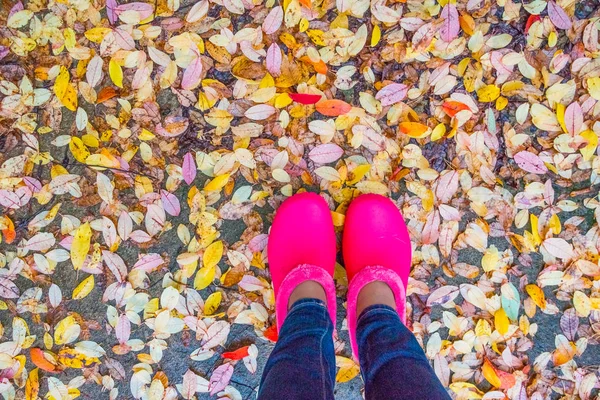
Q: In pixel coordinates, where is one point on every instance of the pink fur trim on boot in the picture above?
(303, 273)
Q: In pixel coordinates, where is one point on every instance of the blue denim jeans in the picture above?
(392, 363)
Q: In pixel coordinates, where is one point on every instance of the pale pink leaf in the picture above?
(115, 264)
(54, 295)
(149, 262)
(220, 378)
(109, 231)
(216, 334)
(451, 26)
(189, 169)
(273, 21)
(447, 186)
(530, 162)
(558, 16)
(192, 74)
(274, 59)
(559, 248)
(431, 230)
(140, 236)
(188, 387)
(258, 242)
(573, 118)
(124, 39)
(123, 329)
(124, 225)
(9, 199)
(251, 283)
(326, 153)
(155, 219)
(170, 203)
(93, 74)
(144, 10)
(8, 289)
(40, 242)
(442, 295)
(392, 94)
(260, 112)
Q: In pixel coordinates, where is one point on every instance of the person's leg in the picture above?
(377, 253)
(301, 253)
(302, 364)
(392, 362)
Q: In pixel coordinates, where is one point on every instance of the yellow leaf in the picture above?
(97, 34)
(212, 254)
(554, 224)
(537, 295)
(375, 35)
(348, 369)
(204, 277)
(594, 87)
(489, 373)
(501, 103)
(84, 288)
(560, 116)
(483, 328)
(66, 331)
(81, 245)
(534, 229)
(78, 149)
(116, 73)
(582, 304)
(217, 183)
(212, 303)
(64, 91)
(488, 93)
(438, 132)
(32, 386)
(592, 143)
(501, 321)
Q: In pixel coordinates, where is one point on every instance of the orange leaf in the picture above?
(333, 108)
(414, 129)
(106, 93)
(9, 232)
(271, 333)
(319, 66)
(453, 107)
(40, 361)
(236, 354)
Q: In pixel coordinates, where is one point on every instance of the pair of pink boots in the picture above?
(302, 247)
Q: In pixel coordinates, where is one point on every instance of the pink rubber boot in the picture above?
(301, 247)
(376, 247)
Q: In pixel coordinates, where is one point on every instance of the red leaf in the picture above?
(305, 98)
(530, 21)
(236, 354)
(271, 333)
